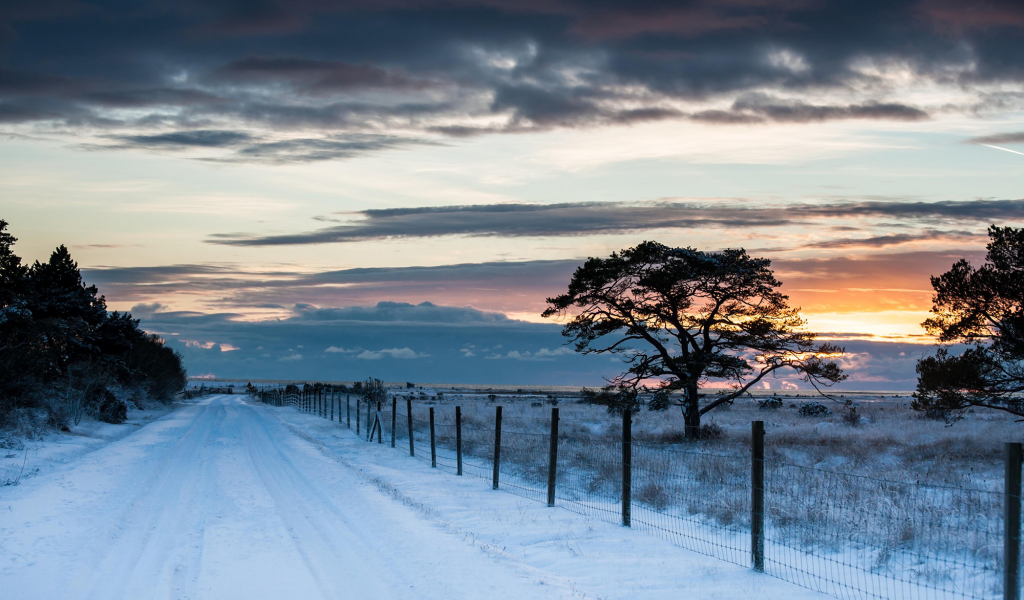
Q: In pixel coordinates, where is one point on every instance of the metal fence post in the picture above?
(408, 410)
(497, 443)
(553, 457)
(458, 440)
(394, 418)
(433, 447)
(627, 466)
(1011, 523)
(757, 494)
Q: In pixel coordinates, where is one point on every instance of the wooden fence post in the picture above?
(757, 494)
(332, 406)
(394, 418)
(359, 407)
(433, 447)
(553, 457)
(497, 443)
(408, 410)
(627, 466)
(458, 440)
(380, 425)
(348, 412)
(1011, 523)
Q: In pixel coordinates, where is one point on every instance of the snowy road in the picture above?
(225, 499)
(221, 501)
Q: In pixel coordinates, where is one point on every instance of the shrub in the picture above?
(710, 431)
(814, 409)
(850, 416)
(770, 403)
(113, 410)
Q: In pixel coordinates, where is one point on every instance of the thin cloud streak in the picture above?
(1003, 149)
(591, 218)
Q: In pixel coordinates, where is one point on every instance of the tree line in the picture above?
(64, 355)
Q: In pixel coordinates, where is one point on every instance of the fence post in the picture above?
(408, 410)
(553, 457)
(348, 412)
(359, 407)
(757, 494)
(380, 425)
(1011, 523)
(332, 406)
(458, 440)
(627, 466)
(497, 443)
(433, 447)
(394, 418)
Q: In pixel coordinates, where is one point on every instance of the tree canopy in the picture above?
(680, 318)
(984, 308)
(61, 349)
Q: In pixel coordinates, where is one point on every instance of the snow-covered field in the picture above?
(228, 498)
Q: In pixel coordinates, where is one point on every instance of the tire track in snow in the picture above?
(150, 527)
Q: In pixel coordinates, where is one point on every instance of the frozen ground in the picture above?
(230, 499)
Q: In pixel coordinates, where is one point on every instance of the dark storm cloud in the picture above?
(589, 218)
(323, 68)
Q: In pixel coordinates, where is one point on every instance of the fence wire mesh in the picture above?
(858, 537)
(846, 535)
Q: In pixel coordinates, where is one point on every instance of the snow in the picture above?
(231, 499)
(54, 449)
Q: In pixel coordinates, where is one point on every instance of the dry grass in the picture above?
(891, 486)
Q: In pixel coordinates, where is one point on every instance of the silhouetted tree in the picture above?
(684, 317)
(982, 307)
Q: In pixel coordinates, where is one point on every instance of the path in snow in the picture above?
(223, 499)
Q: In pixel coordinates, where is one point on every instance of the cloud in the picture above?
(236, 286)
(146, 310)
(337, 350)
(403, 353)
(306, 79)
(179, 140)
(290, 358)
(543, 354)
(896, 239)
(758, 107)
(313, 76)
(245, 147)
(589, 218)
(1016, 137)
(425, 312)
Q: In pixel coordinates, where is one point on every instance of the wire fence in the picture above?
(849, 536)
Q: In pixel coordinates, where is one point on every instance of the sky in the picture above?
(320, 189)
